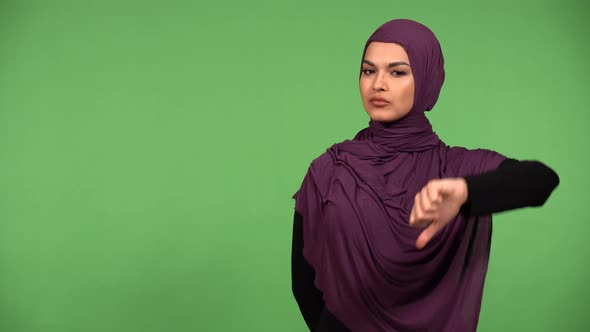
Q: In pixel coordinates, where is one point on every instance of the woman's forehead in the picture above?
(380, 52)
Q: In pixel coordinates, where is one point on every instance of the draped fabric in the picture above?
(356, 198)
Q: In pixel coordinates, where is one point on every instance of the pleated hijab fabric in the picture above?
(356, 198)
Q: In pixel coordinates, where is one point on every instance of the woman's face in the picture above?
(386, 75)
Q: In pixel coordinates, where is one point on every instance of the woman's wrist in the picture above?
(463, 190)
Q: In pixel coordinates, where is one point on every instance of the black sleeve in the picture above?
(308, 297)
(514, 184)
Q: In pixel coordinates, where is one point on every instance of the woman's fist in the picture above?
(435, 205)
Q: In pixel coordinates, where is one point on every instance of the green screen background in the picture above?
(149, 151)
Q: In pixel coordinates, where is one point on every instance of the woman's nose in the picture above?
(379, 82)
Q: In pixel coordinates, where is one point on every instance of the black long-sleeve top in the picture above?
(514, 184)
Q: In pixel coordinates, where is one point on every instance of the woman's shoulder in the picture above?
(322, 167)
(327, 159)
(324, 162)
(473, 160)
(319, 174)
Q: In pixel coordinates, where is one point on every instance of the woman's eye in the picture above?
(394, 73)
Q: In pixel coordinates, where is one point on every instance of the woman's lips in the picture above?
(379, 103)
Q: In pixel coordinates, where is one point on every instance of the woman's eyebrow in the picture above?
(393, 64)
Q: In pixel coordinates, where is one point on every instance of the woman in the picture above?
(392, 229)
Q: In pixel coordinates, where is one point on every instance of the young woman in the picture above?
(392, 229)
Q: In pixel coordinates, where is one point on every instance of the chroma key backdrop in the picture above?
(149, 151)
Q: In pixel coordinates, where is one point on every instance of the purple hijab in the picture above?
(356, 198)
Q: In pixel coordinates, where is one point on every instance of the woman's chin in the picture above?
(382, 116)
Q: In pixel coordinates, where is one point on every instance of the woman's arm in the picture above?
(514, 184)
(308, 297)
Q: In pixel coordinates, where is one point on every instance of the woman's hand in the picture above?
(436, 204)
